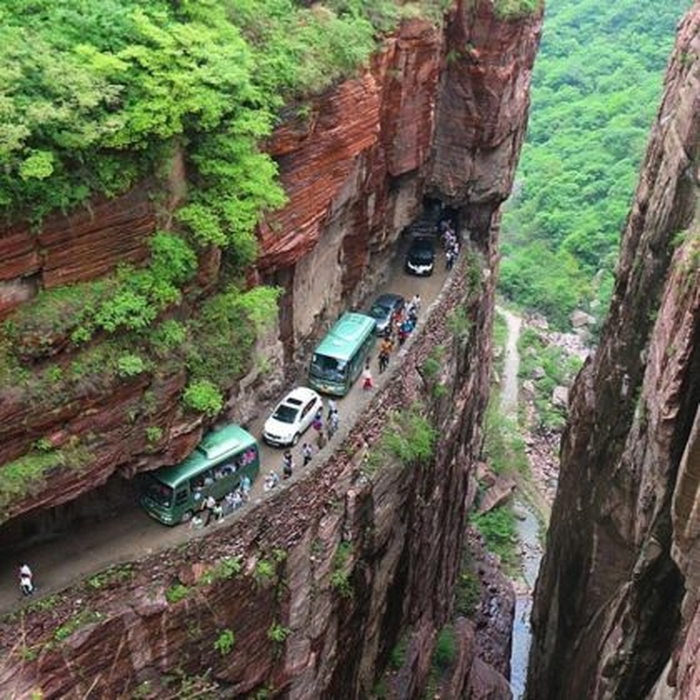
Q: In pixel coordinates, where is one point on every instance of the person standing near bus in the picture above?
(332, 407)
(209, 507)
(387, 345)
(367, 380)
(333, 424)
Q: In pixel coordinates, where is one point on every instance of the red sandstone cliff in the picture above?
(356, 168)
(616, 611)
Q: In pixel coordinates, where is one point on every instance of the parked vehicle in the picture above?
(174, 494)
(420, 258)
(292, 416)
(383, 309)
(340, 356)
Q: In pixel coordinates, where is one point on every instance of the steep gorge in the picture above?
(318, 584)
(616, 610)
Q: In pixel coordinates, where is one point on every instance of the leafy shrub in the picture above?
(499, 530)
(153, 434)
(277, 633)
(224, 334)
(113, 575)
(264, 571)
(511, 9)
(398, 654)
(340, 579)
(225, 642)
(130, 365)
(340, 582)
(411, 438)
(445, 651)
(85, 617)
(43, 445)
(342, 554)
(227, 568)
(168, 336)
(176, 593)
(433, 363)
(459, 323)
(203, 396)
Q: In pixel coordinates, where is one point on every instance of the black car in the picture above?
(382, 310)
(420, 258)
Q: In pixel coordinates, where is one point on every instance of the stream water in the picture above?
(528, 534)
(527, 523)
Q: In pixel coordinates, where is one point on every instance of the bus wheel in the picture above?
(186, 516)
(295, 439)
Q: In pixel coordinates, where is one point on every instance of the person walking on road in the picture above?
(317, 423)
(332, 407)
(367, 380)
(385, 349)
(26, 580)
(333, 423)
(287, 465)
(307, 453)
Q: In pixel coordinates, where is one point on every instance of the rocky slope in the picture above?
(338, 567)
(616, 611)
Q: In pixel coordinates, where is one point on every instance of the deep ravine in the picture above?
(527, 522)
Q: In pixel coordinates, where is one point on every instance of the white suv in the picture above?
(292, 416)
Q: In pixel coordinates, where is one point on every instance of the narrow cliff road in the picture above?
(131, 534)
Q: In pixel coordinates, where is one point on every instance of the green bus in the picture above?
(340, 356)
(174, 494)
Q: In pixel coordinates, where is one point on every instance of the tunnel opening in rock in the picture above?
(116, 497)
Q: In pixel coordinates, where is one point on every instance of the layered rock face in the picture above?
(362, 552)
(616, 610)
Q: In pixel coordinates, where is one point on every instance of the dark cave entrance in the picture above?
(113, 499)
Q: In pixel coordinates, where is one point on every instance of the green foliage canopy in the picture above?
(95, 94)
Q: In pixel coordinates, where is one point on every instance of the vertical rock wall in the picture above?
(617, 593)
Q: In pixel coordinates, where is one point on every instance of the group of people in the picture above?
(211, 510)
(325, 429)
(403, 323)
(450, 243)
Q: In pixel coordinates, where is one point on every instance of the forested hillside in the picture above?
(596, 87)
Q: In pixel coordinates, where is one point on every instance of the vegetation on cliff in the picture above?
(94, 97)
(596, 86)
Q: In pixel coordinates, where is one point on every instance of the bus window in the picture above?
(326, 367)
(181, 497)
(158, 492)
